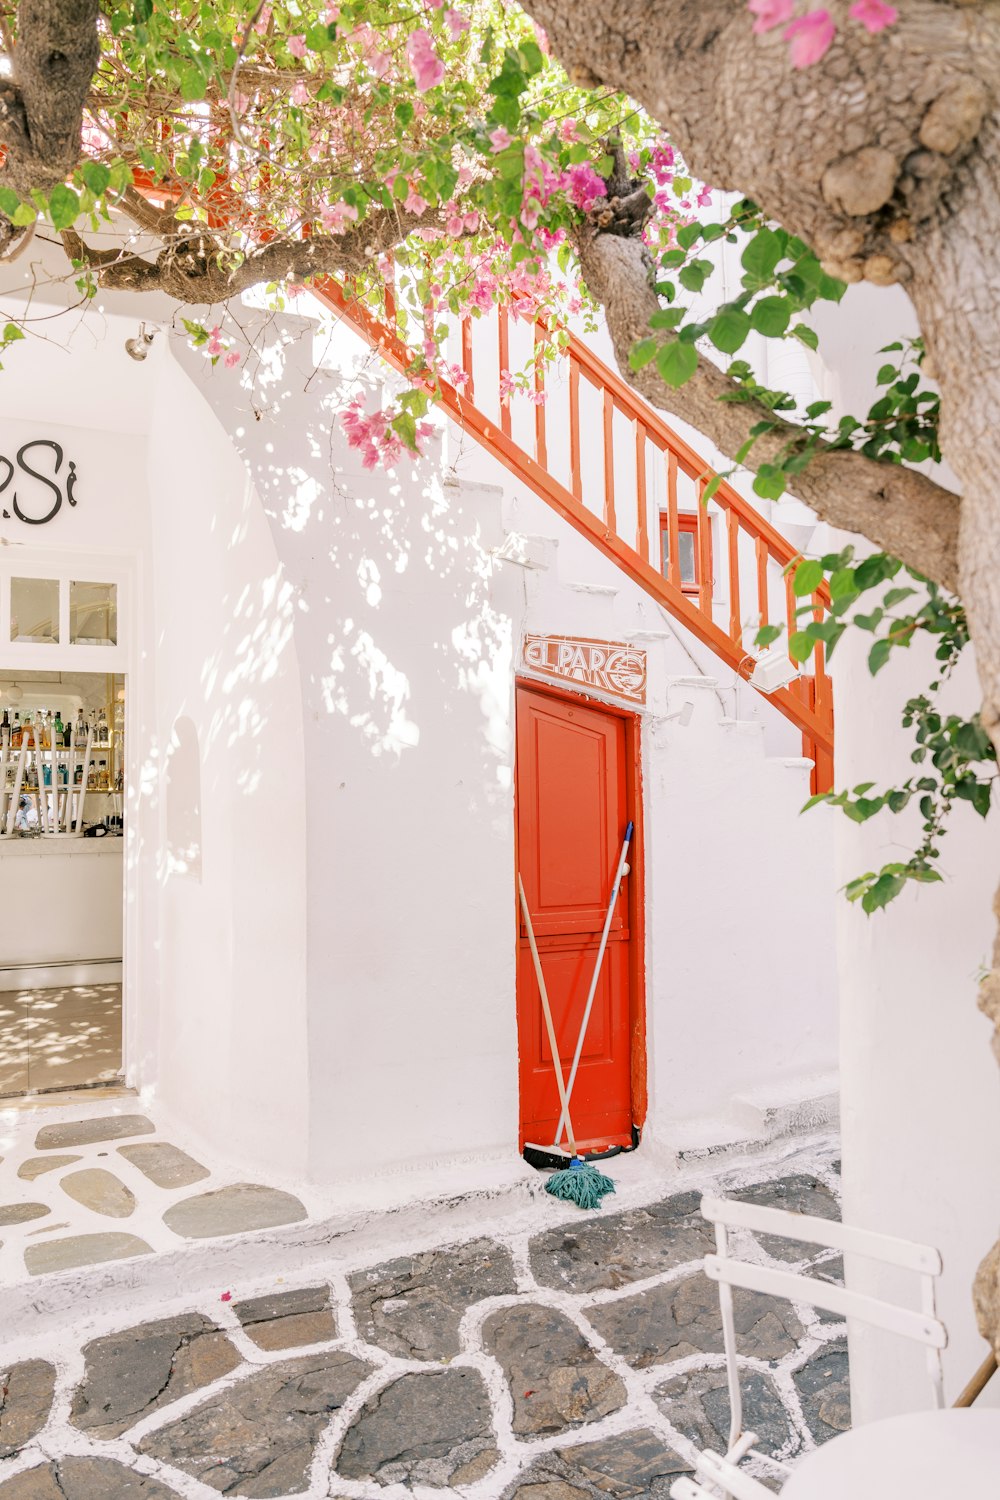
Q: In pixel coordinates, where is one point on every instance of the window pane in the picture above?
(93, 614)
(34, 609)
(685, 548)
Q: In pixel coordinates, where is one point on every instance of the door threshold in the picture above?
(79, 1093)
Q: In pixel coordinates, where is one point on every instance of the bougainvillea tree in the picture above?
(472, 154)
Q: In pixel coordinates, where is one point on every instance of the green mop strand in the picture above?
(580, 1183)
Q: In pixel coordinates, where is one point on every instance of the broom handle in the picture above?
(547, 1012)
(564, 1117)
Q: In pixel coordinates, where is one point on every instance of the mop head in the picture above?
(581, 1184)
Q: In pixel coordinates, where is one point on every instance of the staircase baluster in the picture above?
(641, 522)
(610, 519)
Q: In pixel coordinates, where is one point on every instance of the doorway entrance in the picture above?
(577, 786)
(62, 793)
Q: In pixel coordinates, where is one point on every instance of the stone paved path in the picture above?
(101, 1185)
(577, 1363)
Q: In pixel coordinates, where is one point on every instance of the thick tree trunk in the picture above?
(956, 291)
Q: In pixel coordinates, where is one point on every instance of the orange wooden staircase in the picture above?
(647, 481)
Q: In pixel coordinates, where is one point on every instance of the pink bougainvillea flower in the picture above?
(770, 13)
(472, 221)
(215, 345)
(427, 68)
(456, 23)
(232, 359)
(263, 21)
(455, 225)
(414, 203)
(874, 15)
(568, 131)
(300, 94)
(584, 186)
(241, 103)
(297, 46)
(500, 138)
(330, 14)
(810, 37)
(336, 217)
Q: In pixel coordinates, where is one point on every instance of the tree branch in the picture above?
(895, 507)
(197, 269)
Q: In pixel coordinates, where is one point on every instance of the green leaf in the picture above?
(687, 235)
(767, 634)
(800, 645)
(12, 333)
(728, 330)
(886, 375)
(711, 487)
(770, 316)
(878, 656)
(886, 888)
(640, 354)
(762, 254)
(64, 205)
(769, 482)
(676, 362)
(806, 335)
(896, 596)
(808, 577)
(694, 276)
(667, 317)
(192, 82)
(9, 203)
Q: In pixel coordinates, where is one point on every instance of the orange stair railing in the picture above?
(640, 455)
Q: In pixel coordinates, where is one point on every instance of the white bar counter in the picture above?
(60, 900)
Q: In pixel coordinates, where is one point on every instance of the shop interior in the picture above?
(62, 810)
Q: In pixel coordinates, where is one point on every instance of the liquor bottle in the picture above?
(92, 779)
(5, 727)
(16, 732)
(63, 773)
(103, 784)
(68, 732)
(81, 728)
(47, 730)
(57, 729)
(78, 773)
(101, 731)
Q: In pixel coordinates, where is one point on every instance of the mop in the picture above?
(580, 1182)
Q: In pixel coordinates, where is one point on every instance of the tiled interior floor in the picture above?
(60, 1038)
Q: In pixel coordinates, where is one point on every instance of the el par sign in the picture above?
(612, 667)
(34, 484)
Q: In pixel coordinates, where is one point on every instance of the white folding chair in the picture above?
(721, 1474)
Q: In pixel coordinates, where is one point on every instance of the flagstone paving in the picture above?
(576, 1363)
(157, 1191)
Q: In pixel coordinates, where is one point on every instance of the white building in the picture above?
(356, 705)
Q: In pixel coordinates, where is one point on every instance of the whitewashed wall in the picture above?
(323, 922)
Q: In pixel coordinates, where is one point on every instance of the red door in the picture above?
(575, 795)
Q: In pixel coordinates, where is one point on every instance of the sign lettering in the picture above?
(612, 667)
(40, 499)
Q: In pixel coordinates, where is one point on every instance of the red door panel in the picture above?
(572, 808)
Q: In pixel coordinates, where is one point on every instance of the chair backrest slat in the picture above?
(836, 1299)
(828, 1233)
